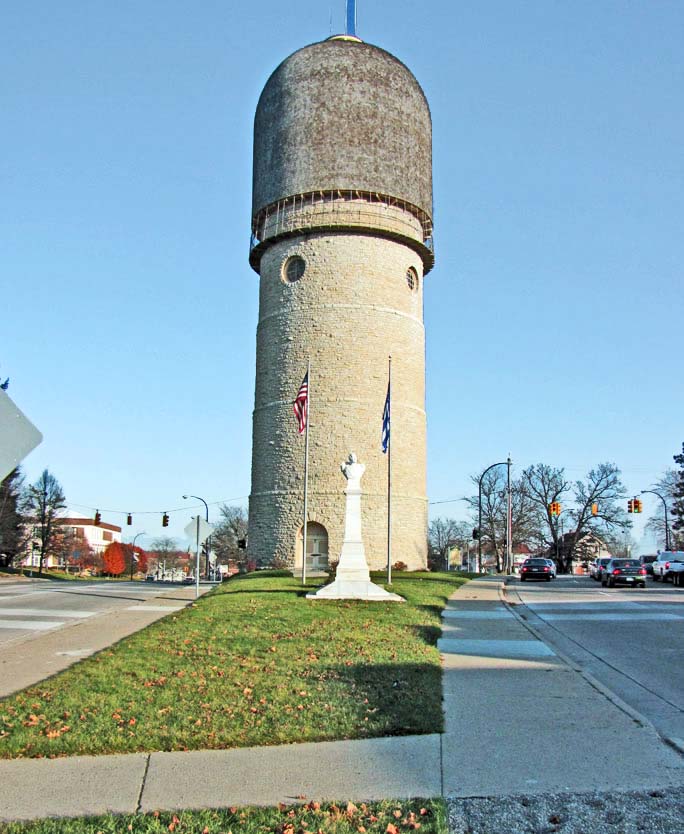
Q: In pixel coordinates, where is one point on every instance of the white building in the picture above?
(98, 536)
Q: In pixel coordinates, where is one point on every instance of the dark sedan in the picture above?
(624, 572)
(536, 569)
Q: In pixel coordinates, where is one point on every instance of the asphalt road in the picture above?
(630, 639)
(29, 609)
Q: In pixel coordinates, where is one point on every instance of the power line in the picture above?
(155, 512)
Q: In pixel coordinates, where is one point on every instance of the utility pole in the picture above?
(509, 519)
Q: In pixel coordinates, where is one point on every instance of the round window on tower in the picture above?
(293, 269)
(412, 279)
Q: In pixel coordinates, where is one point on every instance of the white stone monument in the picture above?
(352, 580)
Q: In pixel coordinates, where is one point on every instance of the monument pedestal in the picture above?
(352, 579)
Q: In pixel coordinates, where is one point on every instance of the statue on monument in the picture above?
(352, 580)
(353, 471)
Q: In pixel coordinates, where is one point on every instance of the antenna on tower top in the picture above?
(351, 18)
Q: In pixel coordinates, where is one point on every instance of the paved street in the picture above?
(47, 626)
(30, 608)
(629, 639)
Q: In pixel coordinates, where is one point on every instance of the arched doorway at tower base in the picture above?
(316, 547)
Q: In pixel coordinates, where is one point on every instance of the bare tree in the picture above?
(546, 485)
(666, 486)
(229, 536)
(599, 506)
(595, 506)
(524, 513)
(164, 550)
(442, 534)
(42, 503)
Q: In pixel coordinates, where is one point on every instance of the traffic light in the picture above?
(555, 508)
(594, 509)
(637, 505)
(242, 544)
(129, 519)
(630, 506)
(98, 518)
(476, 533)
(165, 520)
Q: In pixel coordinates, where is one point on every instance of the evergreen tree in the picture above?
(42, 504)
(678, 496)
(10, 518)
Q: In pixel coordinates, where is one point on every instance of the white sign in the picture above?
(205, 530)
(18, 436)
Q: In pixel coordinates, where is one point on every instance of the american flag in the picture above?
(386, 422)
(301, 404)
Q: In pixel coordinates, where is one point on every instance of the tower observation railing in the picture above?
(342, 208)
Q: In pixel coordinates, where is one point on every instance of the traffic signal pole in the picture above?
(667, 526)
(479, 509)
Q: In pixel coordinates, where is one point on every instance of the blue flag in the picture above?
(386, 422)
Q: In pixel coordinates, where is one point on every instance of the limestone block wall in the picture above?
(352, 307)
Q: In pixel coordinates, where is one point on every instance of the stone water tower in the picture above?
(341, 240)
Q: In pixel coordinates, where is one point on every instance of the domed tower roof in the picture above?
(343, 114)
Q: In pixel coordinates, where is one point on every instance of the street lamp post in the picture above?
(133, 551)
(507, 463)
(206, 507)
(667, 526)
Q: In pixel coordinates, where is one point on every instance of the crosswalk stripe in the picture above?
(31, 625)
(611, 616)
(501, 614)
(495, 648)
(43, 612)
(144, 608)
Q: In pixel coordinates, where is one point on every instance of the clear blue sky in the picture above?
(553, 315)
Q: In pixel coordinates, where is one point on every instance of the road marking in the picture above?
(495, 648)
(609, 616)
(144, 608)
(44, 612)
(465, 614)
(31, 625)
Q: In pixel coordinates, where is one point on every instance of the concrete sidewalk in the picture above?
(518, 720)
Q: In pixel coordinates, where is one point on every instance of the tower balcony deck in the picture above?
(343, 211)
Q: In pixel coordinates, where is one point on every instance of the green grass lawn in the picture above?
(388, 817)
(253, 663)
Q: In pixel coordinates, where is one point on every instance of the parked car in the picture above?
(597, 567)
(537, 569)
(624, 572)
(647, 562)
(669, 565)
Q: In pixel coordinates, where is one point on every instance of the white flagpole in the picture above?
(389, 476)
(306, 467)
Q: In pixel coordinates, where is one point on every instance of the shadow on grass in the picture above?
(402, 699)
(295, 592)
(428, 634)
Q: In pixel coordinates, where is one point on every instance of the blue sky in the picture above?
(554, 311)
